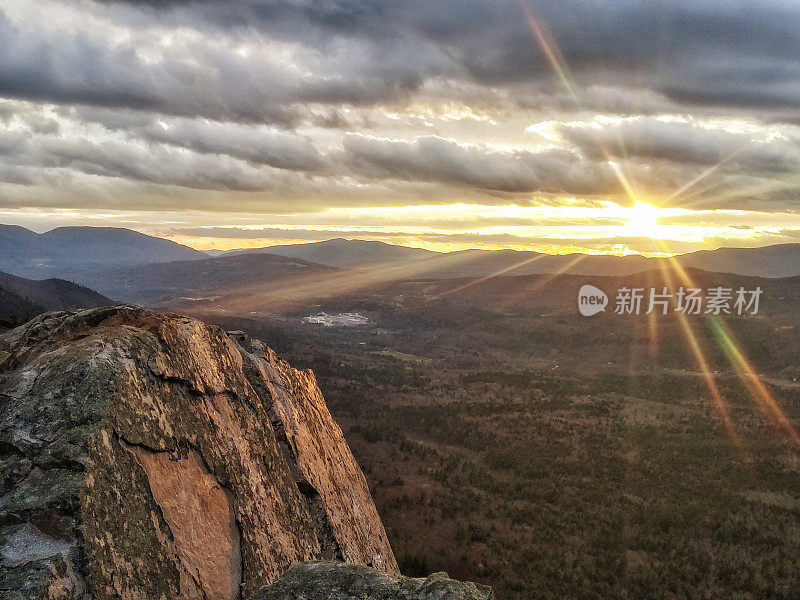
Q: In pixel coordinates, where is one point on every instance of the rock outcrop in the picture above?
(339, 581)
(153, 457)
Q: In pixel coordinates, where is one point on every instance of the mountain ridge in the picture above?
(340, 252)
(140, 283)
(22, 299)
(64, 252)
(776, 260)
(80, 253)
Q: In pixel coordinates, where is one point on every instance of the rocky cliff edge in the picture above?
(149, 457)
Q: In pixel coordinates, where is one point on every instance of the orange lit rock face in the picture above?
(319, 452)
(201, 518)
(162, 459)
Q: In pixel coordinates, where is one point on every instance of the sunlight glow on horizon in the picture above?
(550, 229)
(604, 227)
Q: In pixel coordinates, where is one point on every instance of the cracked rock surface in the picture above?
(150, 457)
(339, 581)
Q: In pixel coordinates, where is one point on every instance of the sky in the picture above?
(600, 126)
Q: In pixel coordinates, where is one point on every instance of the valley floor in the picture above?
(511, 465)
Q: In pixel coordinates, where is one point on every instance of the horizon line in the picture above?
(510, 248)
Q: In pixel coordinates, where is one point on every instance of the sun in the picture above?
(642, 220)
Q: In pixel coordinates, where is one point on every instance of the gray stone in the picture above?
(340, 581)
(148, 456)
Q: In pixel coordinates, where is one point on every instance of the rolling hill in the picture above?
(131, 266)
(22, 299)
(66, 251)
(260, 281)
(781, 260)
(15, 310)
(482, 263)
(769, 261)
(197, 280)
(342, 253)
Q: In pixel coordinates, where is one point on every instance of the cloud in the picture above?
(257, 61)
(448, 241)
(262, 106)
(16, 174)
(721, 52)
(512, 170)
(758, 149)
(159, 164)
(279, 149)
(188, 71)
(193, 77)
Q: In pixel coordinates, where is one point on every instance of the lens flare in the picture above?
(562, 71)
(551, 51)
(766, 403)
(644, 219)
(744, 368)
(697, 352)
(497, 273)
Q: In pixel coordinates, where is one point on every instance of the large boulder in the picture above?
(339, 581)
(149, 457)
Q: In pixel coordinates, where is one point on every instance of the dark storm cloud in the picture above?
(153, 165)
(720, 52)
(202, 154)
(366, 51)
(75, 68)
(113, 119)
(437, 159)
(258, 95)
(201, 77)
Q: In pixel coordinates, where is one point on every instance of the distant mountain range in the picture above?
(67, 251)
(340, 252)
(782, 260)
(768, 261)
(130, 266)
(22, 299)
(197, 279)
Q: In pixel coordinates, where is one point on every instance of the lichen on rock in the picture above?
(150, 456)
(340, 581)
